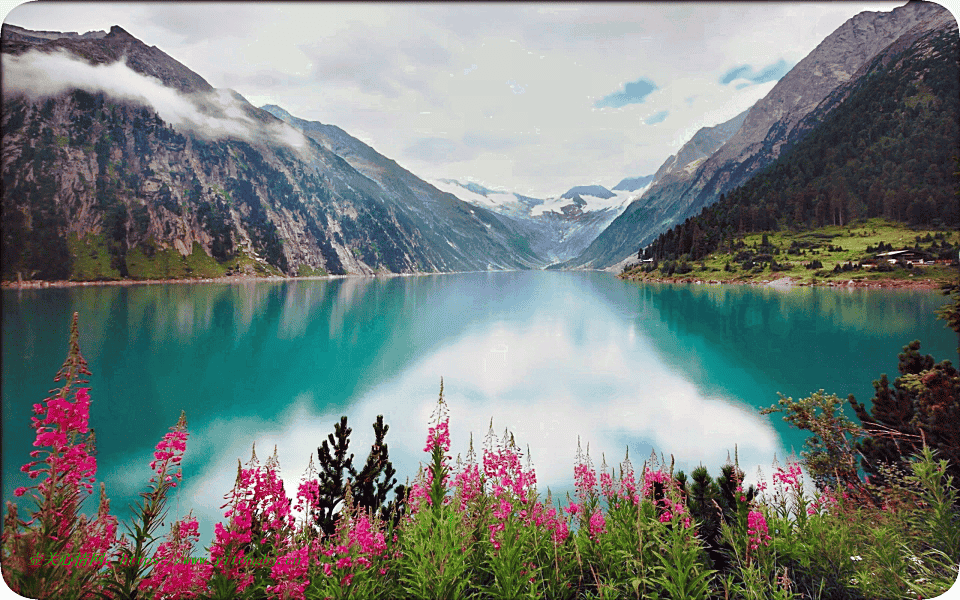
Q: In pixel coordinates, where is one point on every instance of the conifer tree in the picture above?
(370, 486)
(330, 477)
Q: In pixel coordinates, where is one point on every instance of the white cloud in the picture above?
(215, 115)
(392, 74)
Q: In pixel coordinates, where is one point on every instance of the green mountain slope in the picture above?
(889, 149)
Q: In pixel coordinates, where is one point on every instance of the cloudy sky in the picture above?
(532, 98)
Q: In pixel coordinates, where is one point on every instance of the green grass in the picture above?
(853, 240)
(308, 271)
(170, 264)
(90, 258)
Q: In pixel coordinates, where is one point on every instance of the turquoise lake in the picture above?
(551, 356)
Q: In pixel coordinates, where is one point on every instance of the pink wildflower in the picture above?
(606, 481)
(597, 524)
(289, 572)
(67, 463)
(439, 432)
(584, 477)
(174, 574)
(792, 477)
(503, 468)
(757, 530)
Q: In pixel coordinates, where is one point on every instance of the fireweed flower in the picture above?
(419, 492)
(503, 467)
(757, 530)
(627, 484)
(289, 572)
(597, 524)
(174, 574)
(792, 477)
(659, 486)
(439, 432)
(100, 534)
(358, 544)
(308, 493)
(467, 480)
(584, 477)
(169, 454)
(258, 506)
(606, 481)
(68, 464)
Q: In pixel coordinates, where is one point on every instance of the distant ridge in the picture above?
(632, 184)
(597, 191)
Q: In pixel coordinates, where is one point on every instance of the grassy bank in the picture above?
(827, 256)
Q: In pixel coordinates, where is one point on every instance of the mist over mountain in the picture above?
(115, 150)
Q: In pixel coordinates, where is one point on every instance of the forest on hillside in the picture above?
(889, 150)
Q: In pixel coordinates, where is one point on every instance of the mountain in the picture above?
(119, 161)
(597, 191)
(632, 184)
(658, 206)
(557, 228)
(771, 126)
(887, 148)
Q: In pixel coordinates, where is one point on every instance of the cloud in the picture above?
(657, 118)
(515, 87)
(771, 72)
(216, 115)
(485, 141)
(634, 92)
(438, 150)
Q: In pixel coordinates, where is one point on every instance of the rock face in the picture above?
(772, 125)
(130, 154)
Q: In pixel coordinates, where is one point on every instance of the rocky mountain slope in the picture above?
(772, 125)
(658, 206)
(115, 154)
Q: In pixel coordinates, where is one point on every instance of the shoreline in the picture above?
(787, 283)
(780, 283)
(43, 284)
(231, 279)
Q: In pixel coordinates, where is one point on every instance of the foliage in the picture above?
(830, 450)
(922, 409)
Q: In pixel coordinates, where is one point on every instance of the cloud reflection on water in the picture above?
(548, 379)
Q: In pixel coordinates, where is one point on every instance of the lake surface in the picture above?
(681, 369)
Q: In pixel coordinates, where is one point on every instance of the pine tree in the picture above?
(922, 408)
(370, 486)
(369, 490)
(330, 478)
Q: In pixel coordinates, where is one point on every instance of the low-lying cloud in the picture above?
(218, 115)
